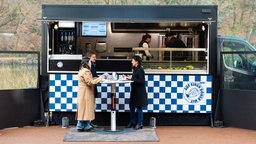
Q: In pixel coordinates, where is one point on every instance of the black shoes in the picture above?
(130, 125)
(93, 125)
(91, 129)
(138, 126)
(80, 130)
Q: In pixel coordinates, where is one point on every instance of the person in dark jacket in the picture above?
(92, 56)
(138, 96)
(174, 42)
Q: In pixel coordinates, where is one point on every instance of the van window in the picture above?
(231, 45)
(239, 59)
(239, 64)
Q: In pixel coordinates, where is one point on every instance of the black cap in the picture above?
(170, 34)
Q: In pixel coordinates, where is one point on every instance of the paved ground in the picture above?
(166, 134)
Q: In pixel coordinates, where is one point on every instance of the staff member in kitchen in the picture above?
(174, 42)
(138, 95)
(146, 39)
(85, 96)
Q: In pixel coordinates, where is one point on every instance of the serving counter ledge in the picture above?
(65, 57)
(193, 72)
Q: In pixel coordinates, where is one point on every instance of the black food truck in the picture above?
(180, 91)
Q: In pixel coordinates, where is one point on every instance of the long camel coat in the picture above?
(85, 96)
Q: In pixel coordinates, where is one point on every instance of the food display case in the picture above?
(160, 66)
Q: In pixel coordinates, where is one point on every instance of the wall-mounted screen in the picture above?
(92, 28)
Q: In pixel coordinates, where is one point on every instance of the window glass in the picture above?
(18, 70)
(239, 65)
(241, 59)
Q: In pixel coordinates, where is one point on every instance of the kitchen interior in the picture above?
(118, 41)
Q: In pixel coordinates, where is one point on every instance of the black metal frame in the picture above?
(235, 107)
(21, 107)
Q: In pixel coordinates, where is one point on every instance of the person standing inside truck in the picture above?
(174, 42)
(138, 95)
(146, 39)
(85, 97)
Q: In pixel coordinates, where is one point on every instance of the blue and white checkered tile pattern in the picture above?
(166, 94)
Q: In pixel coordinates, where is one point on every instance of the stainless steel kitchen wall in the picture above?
(118, 40)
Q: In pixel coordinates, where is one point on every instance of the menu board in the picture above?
(93, 28)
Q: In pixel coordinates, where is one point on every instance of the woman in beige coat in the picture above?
(85, 97)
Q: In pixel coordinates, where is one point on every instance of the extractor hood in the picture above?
(154, 27)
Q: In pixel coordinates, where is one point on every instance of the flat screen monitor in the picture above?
(93, 28)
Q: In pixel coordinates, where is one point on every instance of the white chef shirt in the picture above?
(145, 45)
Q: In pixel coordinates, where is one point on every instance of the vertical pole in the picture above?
(170, 58)
(113, 120)
(113, 107)
(113, 96)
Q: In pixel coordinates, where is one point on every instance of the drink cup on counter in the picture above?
(114, 76)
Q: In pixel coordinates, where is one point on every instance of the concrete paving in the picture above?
(166, 134)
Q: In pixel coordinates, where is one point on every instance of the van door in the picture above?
(239, 64)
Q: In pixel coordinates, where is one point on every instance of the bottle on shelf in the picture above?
(61, 37)
(66, 37)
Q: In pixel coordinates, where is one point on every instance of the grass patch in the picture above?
(18, 76)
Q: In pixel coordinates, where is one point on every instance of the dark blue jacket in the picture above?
(94, 74)
(93, 70)
(138, 96)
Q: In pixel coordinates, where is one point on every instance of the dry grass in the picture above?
(18, 76)
(18, 71)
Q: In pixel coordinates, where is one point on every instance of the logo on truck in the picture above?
(193, 92)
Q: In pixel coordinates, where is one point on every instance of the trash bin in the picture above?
(152, 122)
(65, 122)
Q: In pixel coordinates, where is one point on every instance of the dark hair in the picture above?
(84, 62)
(144, 37)
(170, 34)
(90, 53)
(137, 58)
